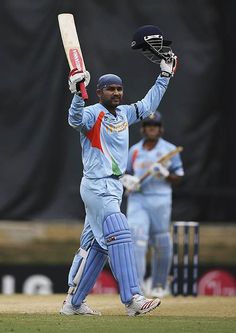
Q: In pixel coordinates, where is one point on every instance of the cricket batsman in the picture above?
(104, 138)
(150, 203)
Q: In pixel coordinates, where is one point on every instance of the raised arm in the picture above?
(149, 104)
(80, 118)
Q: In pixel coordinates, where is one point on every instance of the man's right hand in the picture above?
(75, 78)
(131, 183)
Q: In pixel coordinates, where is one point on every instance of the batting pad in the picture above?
(95, 262)
(121, 254)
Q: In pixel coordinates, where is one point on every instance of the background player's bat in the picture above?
(126, 179)
(72, 46)
(163, 160)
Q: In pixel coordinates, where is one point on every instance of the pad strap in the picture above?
(76, 269)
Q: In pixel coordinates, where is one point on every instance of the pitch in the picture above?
(23, 314)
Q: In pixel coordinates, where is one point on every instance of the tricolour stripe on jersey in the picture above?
(95, 138)
(115, 168)
(94, 134)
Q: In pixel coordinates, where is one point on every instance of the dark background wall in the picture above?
(40, 167)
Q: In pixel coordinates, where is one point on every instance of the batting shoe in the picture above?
(141, 305)
(84, 310)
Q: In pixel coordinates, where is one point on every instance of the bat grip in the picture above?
(83, 91)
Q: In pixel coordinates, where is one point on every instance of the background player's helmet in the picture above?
(149, 39)
(153, 119)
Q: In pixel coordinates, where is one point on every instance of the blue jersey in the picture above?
(140, 160)
(105, 137)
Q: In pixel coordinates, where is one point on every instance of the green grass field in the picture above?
(34, 314)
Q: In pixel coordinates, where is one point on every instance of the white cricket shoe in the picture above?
(159, 292)
(141, 305)
(68, 309)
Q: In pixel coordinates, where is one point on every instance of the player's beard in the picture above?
(112, 103)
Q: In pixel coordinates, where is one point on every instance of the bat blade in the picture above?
(72, 46)
(169, 155)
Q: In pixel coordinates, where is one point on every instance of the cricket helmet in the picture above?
(153, 119)
(139, 41)
(150, 40)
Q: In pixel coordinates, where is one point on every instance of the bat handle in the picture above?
(83, 91)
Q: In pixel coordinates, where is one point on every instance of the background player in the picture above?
(149, 206)
(103, 131)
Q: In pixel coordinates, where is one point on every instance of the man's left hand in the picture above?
(168, 68)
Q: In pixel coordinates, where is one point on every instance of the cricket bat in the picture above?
(163, 159)
(72, 46)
